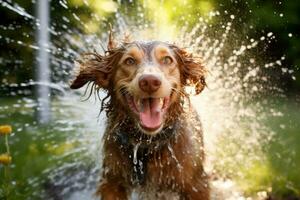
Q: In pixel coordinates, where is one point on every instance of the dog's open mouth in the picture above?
(150, 111)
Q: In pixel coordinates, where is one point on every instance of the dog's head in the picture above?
(143, 79)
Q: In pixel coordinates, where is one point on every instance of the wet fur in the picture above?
(173, 159)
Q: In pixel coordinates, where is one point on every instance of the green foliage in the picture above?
(283, 152)
(34, 149)
(274, 169)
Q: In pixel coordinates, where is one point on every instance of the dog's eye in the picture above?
(129, 61)
(167, 60)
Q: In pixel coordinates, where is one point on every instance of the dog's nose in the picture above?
(149, 83)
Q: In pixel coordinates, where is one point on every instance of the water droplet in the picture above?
(135, 150)
(269, 34)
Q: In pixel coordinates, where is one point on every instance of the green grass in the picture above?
(273, 166)
(283, 153)
(33, 149)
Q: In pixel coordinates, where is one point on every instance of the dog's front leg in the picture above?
(112, 189)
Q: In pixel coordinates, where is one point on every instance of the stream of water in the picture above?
(233, 106)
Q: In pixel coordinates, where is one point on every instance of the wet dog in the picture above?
(153, 139)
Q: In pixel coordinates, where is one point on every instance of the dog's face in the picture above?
(145, 78)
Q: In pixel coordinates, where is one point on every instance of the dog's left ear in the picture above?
(192, 70)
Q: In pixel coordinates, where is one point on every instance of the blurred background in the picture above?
(251, 48)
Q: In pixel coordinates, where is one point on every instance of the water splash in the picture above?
(43, 68)
(17, 9)
(179, 166)
(232, 121)
(135, 150)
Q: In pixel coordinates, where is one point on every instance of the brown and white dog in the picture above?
(153, 141)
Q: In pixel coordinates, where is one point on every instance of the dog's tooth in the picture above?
(138, 104)
(161, 102)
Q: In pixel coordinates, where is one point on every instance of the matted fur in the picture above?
(170, 161)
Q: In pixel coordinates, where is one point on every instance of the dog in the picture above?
(153, 139)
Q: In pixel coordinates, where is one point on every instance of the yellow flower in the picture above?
(5, 130)
(5, 159)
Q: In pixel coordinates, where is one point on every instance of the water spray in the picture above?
(43, 71)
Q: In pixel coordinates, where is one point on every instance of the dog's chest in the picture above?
(147, 159)
(152, 168)
(153, 176)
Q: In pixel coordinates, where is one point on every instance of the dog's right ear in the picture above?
(91, 68)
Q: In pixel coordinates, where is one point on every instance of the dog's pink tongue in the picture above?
(151, 115)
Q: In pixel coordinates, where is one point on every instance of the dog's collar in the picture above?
(131, 136)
